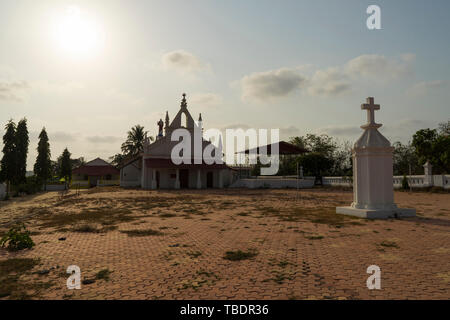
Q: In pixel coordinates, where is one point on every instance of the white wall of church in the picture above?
(130, 176)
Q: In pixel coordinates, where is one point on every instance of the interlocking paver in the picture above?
(300, 256)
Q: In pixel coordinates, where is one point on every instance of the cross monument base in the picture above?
(377, 213)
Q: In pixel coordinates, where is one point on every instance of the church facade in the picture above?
(155, 169)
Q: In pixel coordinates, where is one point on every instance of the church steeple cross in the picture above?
(370, 106)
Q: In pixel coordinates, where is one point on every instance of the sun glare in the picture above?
(76, 34)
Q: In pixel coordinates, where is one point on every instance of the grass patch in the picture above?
(389, 244)
(320, 215)
(142, 233)
(106, 215)
(240, 255)
(12, 286)
(103, 274)
(194, 254)
(167, 215)
(314, 237)
(89, 228)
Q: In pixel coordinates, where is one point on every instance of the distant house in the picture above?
(97, 172)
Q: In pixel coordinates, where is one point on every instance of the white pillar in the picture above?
(199, 179)
(154, 179)
(373, 190)
(428, 174)
(177, 180)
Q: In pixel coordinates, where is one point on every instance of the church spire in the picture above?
(183, 101)
(200, 118)
(167, 123)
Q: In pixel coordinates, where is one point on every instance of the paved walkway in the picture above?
(303, 251)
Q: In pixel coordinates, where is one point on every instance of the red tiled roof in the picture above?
(167, 163)
(96, 170)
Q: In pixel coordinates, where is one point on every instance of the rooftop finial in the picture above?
(183, 101)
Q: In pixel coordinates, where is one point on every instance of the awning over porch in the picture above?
(284, 148)
(167, 163)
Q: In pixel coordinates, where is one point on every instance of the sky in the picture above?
(88, 71)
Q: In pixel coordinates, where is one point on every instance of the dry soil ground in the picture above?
(224, 244)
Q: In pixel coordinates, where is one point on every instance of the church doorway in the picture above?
(184, 178)
(209, 180)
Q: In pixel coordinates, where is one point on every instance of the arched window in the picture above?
(183, 120)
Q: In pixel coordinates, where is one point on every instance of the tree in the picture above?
(66, 167)
(22, 142)
(423, 143)
(405, 156)
(135, 141)
(9, 160)
(434, 146)
(117, 159)
(335, 157)
(444, 128)
(441, 154)
(43, 165)
(77, 162)
(315, 163)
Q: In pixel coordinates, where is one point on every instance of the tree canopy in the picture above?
(9, 159)
(135, 141)
(66, 166)
(22, 142)
(43, 165)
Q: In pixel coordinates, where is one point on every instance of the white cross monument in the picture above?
(373, 188)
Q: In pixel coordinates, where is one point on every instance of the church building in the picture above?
(154, 168)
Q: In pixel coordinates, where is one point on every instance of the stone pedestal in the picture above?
(373, 189)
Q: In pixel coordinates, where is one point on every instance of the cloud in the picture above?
(271, 84)
(61, 136)
(236, 126)
(103, 139)
(182, 61)
(341, 130)
(425, 87)
(207, 99)
(289, 131)
(56, 87)
(12, 90)
(374, 65)
(328, 82)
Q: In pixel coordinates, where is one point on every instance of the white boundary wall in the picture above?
(274, 183)
(416, 181)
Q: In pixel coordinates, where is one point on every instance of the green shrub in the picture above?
(31, 186)
(17, 238)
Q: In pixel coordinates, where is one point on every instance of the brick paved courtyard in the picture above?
(174, 244)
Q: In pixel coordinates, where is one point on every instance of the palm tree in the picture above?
(135, 141)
